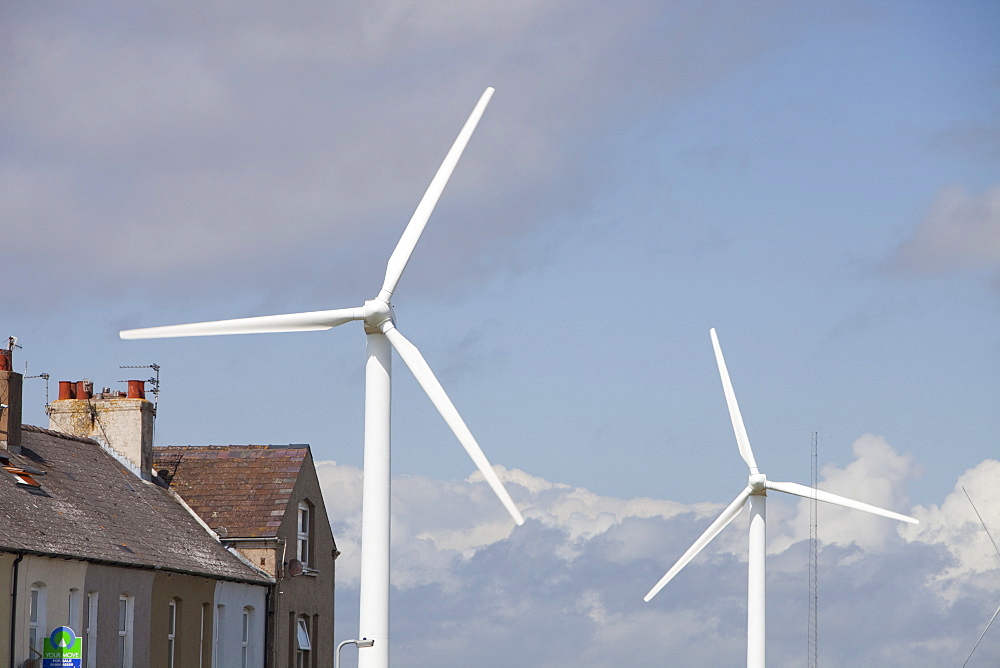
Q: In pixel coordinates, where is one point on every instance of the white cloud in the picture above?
(566, 588)
(955, 526)
(877, 476)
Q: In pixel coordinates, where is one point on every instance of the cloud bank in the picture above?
(566, 588)
(220, 144)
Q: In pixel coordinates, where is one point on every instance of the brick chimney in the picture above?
(10, 398)
(121, 422)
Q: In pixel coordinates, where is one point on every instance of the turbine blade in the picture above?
(810, 492)
(291, 322)
(742, 440)
(422, 372)
(411, 235)
(982, 635)
(981, 520)
(721, 522)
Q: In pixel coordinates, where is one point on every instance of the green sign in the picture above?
(62, 649)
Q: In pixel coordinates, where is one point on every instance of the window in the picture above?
(220, 621)
(171, 632)
(246, 657)
(36, 619)
(74, 610)
(305, 521)
(126, 613)
(92, 599)
(302, 642)
(201, 635)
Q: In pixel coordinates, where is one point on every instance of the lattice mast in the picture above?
(814, 556)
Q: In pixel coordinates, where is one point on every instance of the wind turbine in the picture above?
(382, 337)
(989, 623)
(756, 493)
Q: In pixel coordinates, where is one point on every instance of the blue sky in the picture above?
(820, 183)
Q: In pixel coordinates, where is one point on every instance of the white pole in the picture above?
(755, 593)
(375, 503)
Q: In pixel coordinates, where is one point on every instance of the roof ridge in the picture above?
(58, 434)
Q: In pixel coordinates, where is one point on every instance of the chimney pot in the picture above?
(5, 360)
(67, 389)
(137, 389)
(84, 389)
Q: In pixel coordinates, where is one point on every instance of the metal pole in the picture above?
(336, 657)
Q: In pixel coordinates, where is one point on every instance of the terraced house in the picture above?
(93, 539)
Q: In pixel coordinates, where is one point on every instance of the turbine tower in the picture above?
(382, 338)
(756, 494)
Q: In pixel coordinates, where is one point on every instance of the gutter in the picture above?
(142, 567)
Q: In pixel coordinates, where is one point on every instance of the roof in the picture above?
(244, 489)
(88, 506)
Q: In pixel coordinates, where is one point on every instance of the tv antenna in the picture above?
(154, 381)
(41, 375)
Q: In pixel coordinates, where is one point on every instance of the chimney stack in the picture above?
(10, 403)
(122, 423)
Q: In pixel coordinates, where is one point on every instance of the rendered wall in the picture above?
(6, 577)
(192, 635)
(110, 583)
(59, 576)
(236, 598)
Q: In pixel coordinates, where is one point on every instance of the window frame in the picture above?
(303, 528)
(171, 632)
(246, 646)
(303, 650)
(37, 604)
(126, 630)
(93, 603)
(74, 610)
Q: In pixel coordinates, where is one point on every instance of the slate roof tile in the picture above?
(91, 507)
(239, 487)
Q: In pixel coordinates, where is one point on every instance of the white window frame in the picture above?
(74, 610)
(93, 599)
(36, 618)
(171, 632)
(126, 624)
(220, 620)
(304, 521)
(201, 637)
(246, 645)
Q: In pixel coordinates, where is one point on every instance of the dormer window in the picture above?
(304, 524)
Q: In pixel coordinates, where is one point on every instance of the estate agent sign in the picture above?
(62, 649)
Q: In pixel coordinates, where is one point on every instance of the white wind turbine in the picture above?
(382, 337)
(756, 493)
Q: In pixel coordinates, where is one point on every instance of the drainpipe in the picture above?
(268, 624)
(13, 606)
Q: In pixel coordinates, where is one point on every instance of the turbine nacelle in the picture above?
(378, 312)
(758, 483)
